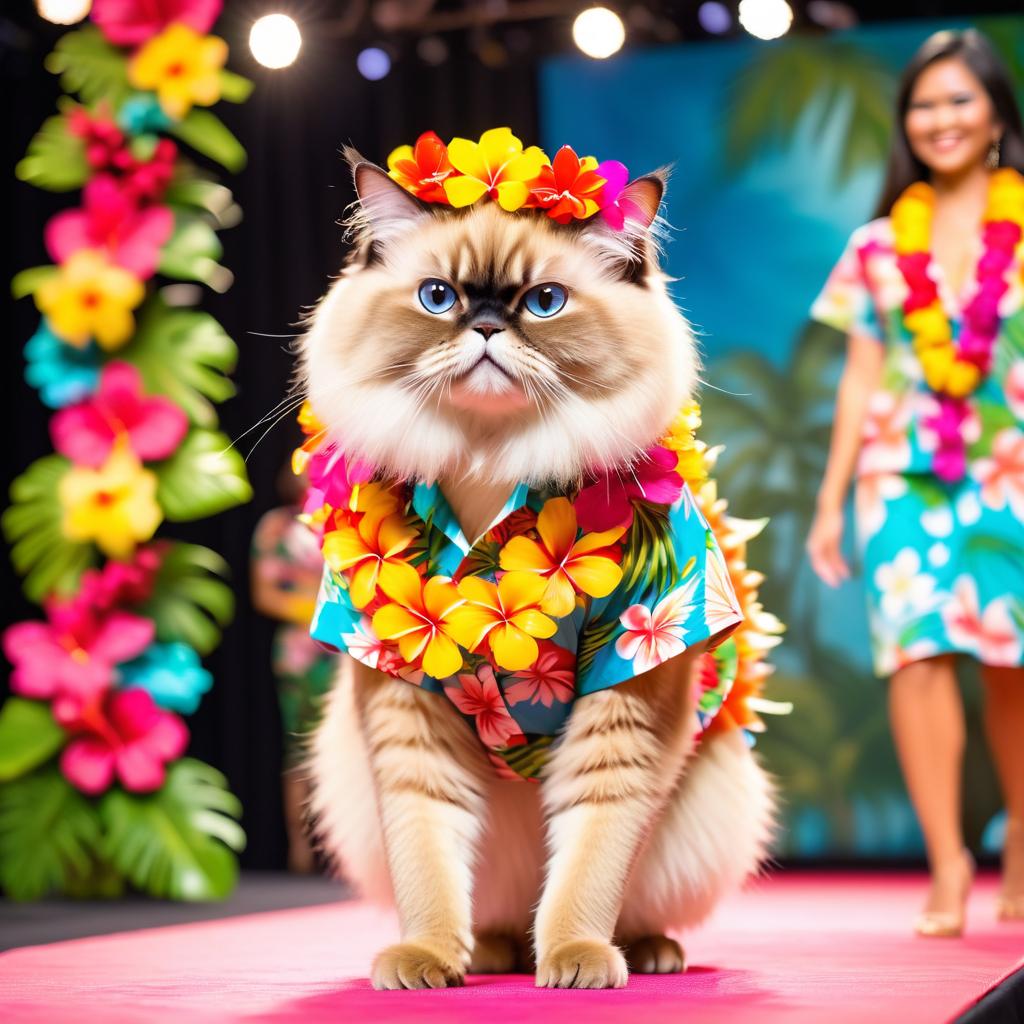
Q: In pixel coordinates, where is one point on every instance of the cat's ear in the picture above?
(628, 241)
(387, 209)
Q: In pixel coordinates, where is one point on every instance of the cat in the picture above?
(633, 830)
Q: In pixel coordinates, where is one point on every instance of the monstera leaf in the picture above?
(28, 737)
(176, 843)
(48, 835)
(90, 66)
(32, 524)
(184, 355)
(208, 135)
(190, 603)
(206, 475)
(191, 254)
(55, 159)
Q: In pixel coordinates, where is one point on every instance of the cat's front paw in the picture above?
(583, 963)
(410, 965)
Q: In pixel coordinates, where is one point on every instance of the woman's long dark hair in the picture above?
(975, 50)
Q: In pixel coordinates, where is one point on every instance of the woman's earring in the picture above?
(992, 159)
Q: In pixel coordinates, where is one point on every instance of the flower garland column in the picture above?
(94, 791)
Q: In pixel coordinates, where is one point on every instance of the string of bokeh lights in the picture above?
(276, 39)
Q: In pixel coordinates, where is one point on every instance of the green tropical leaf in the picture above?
(648, 559)
(206, 475)
(184, 355)
(214, 199)
(190, 603)
(28, 736)
(234, 88)
(528, 759)
(48, 834)
(176, 843)
(90, 66)
(55, 159)
(32, 525)
(593, 638)
(208, 135)
(28, 281)
(191, 254)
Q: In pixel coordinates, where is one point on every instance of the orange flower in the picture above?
(372, 548)
(418, 619)
(315, 433)
(569, 187)
(506, 616)
(422, 169)
(569, 566)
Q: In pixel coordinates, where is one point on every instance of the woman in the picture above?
(929, 418)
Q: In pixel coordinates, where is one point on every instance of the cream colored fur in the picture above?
(632, 831)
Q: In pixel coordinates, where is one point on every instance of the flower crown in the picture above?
(567, 188)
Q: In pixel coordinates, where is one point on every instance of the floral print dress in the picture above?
(539, 611)
(943, 562)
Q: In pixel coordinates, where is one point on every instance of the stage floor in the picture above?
(830, 948)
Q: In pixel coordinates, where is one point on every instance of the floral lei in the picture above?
(497, 167)
(572, 549)
(955, 369)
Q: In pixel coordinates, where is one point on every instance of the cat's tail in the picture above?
(713, 835)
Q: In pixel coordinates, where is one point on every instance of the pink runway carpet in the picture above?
(822, 948)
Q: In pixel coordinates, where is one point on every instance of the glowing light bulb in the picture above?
(766, 19)
(275, 40)
(599, 32)
(714, 17)
(373, 63)
(63, 12)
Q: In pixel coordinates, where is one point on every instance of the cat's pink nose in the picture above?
(488, 329)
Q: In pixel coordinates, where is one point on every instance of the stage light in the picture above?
(275, 40)
(766, 19)
(599, 32)
(373, 63)
(714, 17)
(63, 12)
(832, 14)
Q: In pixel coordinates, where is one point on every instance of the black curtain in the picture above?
(293, 192)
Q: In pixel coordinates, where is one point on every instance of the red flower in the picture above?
(569, 188)
(551, 678)
(102, 137)
(130, 22)
(122, 583)
(478, 695)
(422, 169)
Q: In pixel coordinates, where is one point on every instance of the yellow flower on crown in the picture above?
(496, 165)
(88, 297)
(182, 67)
(114, 506)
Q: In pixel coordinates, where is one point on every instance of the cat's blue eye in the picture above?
(437, 296)
(545, 300)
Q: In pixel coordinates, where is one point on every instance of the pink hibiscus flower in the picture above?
(655, 635)
(608, 501)
(616, 207)
(123, 735)
(86, 432)
(332, 477)
(989, 633)
(110, 221)
(479, 696)
(129, 22)
(1001, 475)
(71, 659)
(886, 441)
(551, 678)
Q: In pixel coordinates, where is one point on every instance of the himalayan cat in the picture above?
(633, 830)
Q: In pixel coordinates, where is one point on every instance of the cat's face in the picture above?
(501, 346)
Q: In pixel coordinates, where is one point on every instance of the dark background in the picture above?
(292, 192)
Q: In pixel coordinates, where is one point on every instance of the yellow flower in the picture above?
(567, 565)
(507, 616)
(90, 298)
(937, 363)
(182, 67)
(114, 506)
(911, 219)
(495, 166)
(680, 438)
(929, 325)
(962, 379)
(1005, 196)
(419, 619)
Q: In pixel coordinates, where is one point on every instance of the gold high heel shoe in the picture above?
(947, 924)
(1011, 908)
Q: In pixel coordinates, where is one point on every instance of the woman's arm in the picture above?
(861, 373)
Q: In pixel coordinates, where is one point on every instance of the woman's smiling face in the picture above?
(950, 120)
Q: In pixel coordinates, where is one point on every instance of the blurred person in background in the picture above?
(929, 420)
(286, 568)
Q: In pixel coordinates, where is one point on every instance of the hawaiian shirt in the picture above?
(865, 293)
(539, 610)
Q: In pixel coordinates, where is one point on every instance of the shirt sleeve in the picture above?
(681, 596)
(846, 302)
(337, 624)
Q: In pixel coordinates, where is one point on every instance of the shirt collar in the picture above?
(430, 504)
